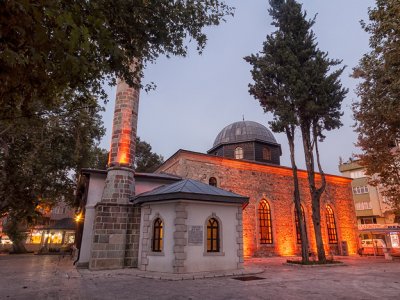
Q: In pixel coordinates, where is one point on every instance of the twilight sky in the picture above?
(197, 96)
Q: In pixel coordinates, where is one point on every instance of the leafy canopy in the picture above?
(378, 111)
(51, 47)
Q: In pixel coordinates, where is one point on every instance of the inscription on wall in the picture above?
(195, 235)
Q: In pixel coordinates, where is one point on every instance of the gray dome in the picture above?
(243, 131)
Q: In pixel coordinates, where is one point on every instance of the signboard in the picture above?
(195, 235)
(394, 240)
(378, 226)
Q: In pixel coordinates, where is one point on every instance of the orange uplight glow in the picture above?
(122, 156)
(286, 248)
(78, 217)
(246, 246)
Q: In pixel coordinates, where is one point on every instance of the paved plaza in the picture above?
(54, 277)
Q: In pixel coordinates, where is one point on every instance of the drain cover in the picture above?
(248, 278)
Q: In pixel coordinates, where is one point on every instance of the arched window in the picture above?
(212, 181)
(239, 153)
(157, 244)
(298, 235)
(213, 235)
(266, 153)
(331, 224)
(264, 217)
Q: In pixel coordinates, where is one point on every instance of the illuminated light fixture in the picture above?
(78, 217)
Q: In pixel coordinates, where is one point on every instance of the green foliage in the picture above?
(39, 155)
(51, 47)
(145, 160)
(55, 58)
(294, 81)
(378, 111)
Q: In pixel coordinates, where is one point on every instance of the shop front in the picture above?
(376, 239)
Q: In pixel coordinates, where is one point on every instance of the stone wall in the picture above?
(116, 236)
(275, 184)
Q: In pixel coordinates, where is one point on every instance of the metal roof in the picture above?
(189, 189)
(244, 131)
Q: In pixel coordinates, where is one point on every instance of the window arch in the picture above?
(157, 241)
(265, 223)
(213, 236)
(212, 181)
(331, 224)
(239, 153)
(298, 235)
(266, 153)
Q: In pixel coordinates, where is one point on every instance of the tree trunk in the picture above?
(296, 196)
(314, 192)
(19, 247)
(14, 228)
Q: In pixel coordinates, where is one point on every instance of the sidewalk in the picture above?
(52, 277)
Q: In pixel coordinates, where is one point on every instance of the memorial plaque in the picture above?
(195, 235)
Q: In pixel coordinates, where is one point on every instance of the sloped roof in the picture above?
(189, 189)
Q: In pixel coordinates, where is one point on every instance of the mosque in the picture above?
(202, 211)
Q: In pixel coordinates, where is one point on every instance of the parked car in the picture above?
(373, 246)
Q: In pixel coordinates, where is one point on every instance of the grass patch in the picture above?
(311, 263)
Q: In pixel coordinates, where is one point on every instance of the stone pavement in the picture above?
(53, 277)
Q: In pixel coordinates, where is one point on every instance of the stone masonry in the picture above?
(180, 239)
(275, 184)
(239, 238)
(117, 222)
(146, 239)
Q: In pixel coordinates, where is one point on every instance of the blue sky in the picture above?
(199, 95)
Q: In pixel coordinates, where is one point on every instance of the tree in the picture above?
(39, 157)
(292, 82)
(51, 47)
(55, 57)
(378, 112)
(145, 159)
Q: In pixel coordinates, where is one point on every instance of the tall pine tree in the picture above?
(292, 81)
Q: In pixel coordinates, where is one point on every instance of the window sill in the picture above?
(152, 253)
(266, 245)
(214, 254)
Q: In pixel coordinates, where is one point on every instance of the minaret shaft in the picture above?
(116, 224)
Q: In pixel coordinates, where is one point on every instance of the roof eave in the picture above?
(189, 196)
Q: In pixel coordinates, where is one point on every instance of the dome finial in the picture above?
(243, 117)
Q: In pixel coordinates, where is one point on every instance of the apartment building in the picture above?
(375, 217)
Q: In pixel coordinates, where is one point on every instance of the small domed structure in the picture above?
(247, 140)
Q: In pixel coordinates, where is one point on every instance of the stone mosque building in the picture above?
(202, 211)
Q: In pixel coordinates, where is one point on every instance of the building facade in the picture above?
(375, 218)
(269, 223)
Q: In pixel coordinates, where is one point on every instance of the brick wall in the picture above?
(275, 184)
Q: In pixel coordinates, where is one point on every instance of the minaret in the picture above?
(116, 224)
